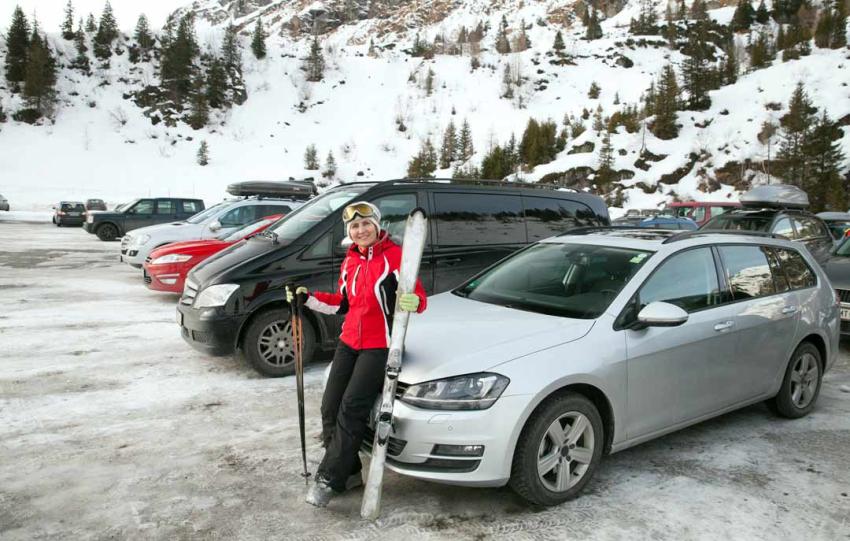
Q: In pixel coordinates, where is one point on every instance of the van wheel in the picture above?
(558, 450)
(801, 384)
(268, 343)
(107, 232)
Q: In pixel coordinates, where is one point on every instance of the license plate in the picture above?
(179, 318)
(73, 214)
(845, 313)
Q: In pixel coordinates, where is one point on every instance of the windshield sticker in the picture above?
(638, 258)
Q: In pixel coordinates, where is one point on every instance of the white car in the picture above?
(225, 217)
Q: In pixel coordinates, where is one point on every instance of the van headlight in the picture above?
(469, 392)
(216, 295)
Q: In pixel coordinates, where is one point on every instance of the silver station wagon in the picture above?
(587, 344)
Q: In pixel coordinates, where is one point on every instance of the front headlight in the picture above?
(141, 240)
(171, 258)
(469, 392)
(215, 295)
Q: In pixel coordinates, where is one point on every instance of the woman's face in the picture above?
(363, 232)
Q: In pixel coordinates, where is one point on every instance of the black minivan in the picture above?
(236, 300)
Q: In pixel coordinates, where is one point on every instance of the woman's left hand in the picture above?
(409, 302)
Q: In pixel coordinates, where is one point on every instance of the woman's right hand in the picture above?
(300, 290)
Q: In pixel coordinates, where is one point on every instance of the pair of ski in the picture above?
(415, 233)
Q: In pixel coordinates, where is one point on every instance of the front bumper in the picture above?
(417, 432)
(89, 227)
(170, 277)
(208, 331)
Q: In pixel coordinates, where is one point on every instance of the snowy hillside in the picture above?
(100, 144)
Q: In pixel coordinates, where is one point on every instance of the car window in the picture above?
(688, 280)
(545, 217)
(799, 274)
(394, 211)
(779, 278)
(239, 216)
(270, 209)
(717, 211)
(145, 206)
(697, 215)
(808, 228)
(466, 219)
(783, 228)
(73, 207)
(298, 222)
(190, 207)
(321, 248)
(739, 222)
(747, 271)
(165, 206)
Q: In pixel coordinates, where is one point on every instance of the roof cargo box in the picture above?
(295, 189)
(775, 195)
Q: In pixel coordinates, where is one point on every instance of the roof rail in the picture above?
(684, 235)
(480, 182)
(597, 228)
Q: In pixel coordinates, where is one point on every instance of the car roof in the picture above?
(657, 240)
(833, 215)
(704, 204)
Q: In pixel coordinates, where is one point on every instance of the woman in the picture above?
(367, 296)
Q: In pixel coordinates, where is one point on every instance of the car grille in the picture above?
(844, 295)
(394, 448)
(190, 291)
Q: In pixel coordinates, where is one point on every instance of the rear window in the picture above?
(73, 207)
(192, 207)
(798, 272)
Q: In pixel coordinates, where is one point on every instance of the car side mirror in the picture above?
(215, 225)
(661, 314)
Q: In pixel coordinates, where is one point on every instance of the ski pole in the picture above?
(296, 307)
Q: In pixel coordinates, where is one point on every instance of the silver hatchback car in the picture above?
(588, 344)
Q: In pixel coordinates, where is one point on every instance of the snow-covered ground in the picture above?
(111, 427)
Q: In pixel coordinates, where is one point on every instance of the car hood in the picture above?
(160, 230)
(233, 257)
(192, 247)
(460, 336)
(838, 271)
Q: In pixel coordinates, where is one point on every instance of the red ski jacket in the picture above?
(367, 292)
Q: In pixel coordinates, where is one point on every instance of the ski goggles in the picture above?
(357, 209)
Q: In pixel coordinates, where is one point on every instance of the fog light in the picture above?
(168, 281)
(458, 450)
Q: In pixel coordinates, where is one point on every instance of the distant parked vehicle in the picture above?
(167, 266)
(778, 209)
(838, 270)
(633, 217)
(95, 204)
(699, 211)
(837, 222)
(140, 213)
(69, 213)
(4, 203)
(668, 222)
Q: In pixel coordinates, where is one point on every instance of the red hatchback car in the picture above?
(166, 267)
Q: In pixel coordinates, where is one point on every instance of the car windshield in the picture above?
(568, 280)
(243, 232)
(302, 219)
(206, 214)
(843, 249)
(739, 222)
(73, 207)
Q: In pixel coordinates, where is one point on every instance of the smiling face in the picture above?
(363, 232)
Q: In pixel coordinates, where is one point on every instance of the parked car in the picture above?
(837, 268)
(585, 345)
(837, 222)
(69, 213)
(668, 222)
(167, 266)
(699, 211)
(140, 213)
(4, 203)
(221, 219)
(632, 217)
(95, 204)
(235, 300)
(778, 209)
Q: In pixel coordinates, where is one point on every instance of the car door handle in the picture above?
(789, 310)
(451, 261)
(724, 326)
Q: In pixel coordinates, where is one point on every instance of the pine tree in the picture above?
(91, 25)
(503, 46)
(178, 54)
(311, 158)
(838, 40)
(424, 163)
(464, 145)
(730, 66)
(230, 50)
(497, 164)
(330, 166)
(107, 32)
(594, 29)
(665, 105)
(699, 11)
(81, 61)
(593, 91)
(558, 45)
(216, 84)
(523, 42)
(429, 82)
(598, 121)
(143, 35)
(314, 64)
(743, 17)
(507, 83)
(762, 15)
(68, 23)
(824, 158)
(258, 40)
(448, 150)
(760, 55)
(605, 171)
(671, 33)
(17, 44)
(697, 72)
(796, 125)
(539, 143)
(199, 112)
(40, 80)
(203, 155)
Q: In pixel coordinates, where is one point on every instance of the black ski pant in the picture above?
(356, 379)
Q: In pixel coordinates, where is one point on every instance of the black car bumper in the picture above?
(208, 331)
(70, 220)
(89, 227)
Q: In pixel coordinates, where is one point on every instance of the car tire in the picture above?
(267, 344)
(107, 232)
(801, 384)
(546, 468)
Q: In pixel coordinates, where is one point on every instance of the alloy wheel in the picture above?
(804, 380)
(565, 452)
(275, 344)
